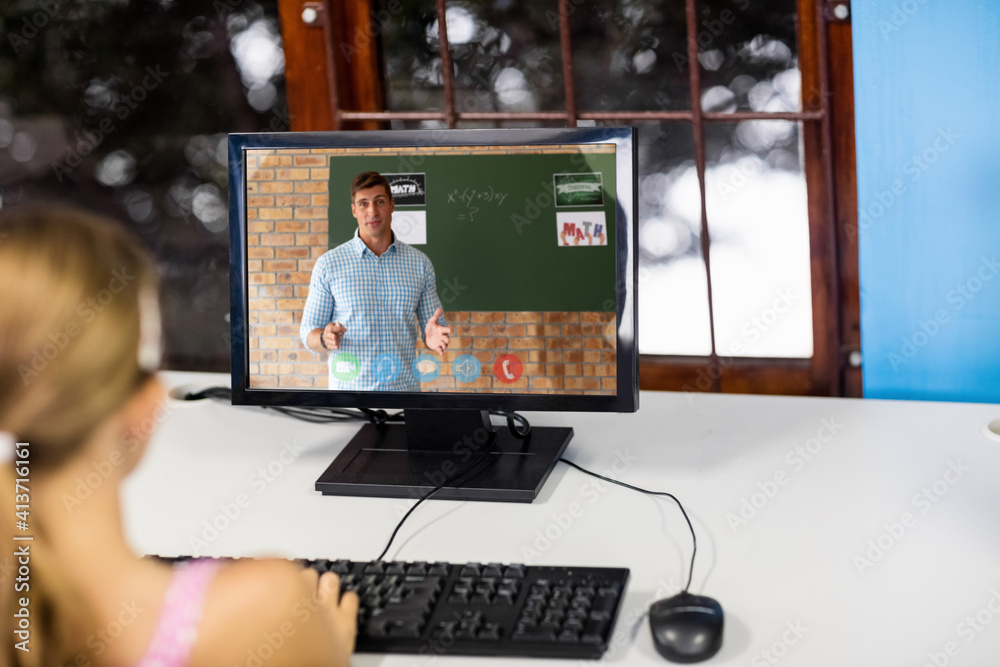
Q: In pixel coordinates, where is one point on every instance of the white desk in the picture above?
(792, 564)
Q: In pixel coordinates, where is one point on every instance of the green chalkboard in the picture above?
(493, 224)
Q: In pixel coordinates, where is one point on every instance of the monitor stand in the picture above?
(407, 461)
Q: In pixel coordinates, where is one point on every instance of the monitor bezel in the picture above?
(626, 398)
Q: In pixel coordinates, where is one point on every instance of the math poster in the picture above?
(581, 228)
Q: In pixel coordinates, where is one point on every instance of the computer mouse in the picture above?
(686, 627)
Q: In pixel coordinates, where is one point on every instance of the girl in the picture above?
(79, 344)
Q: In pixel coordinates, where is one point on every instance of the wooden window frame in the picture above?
(332, 88)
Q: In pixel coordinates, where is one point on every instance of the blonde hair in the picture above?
(69, 335)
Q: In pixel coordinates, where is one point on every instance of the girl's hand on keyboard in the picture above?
(342, 612)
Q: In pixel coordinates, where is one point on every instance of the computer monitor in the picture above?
(524, 238)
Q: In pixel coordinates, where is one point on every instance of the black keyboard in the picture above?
(475, 609)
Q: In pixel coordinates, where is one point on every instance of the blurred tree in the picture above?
(123, 108)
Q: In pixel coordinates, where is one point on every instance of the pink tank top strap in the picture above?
(177, 627)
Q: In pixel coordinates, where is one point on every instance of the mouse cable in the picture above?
(319, 415)
(489, 450)
(520, 434)
(694, 540)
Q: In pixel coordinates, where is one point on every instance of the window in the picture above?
(748, 268)
(123, 109)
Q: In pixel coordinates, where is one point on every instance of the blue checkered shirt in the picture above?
(383, 301)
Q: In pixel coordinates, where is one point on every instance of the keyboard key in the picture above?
(569, 636)
(594, 630)
(538, 593)
(489, 632)
(439, 569)
(562, 591)
(528, 633)
(560, 603)
(515, 571)
(550, 624)
(417, 569)
(408, 627)
(530, 619)
(533, 607)
(470, 570)
(493, 570)
(339, 567)
(505, 596)
(605, 603)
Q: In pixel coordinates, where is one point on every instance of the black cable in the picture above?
(210, 392)
(489, 450)
(694, 540)
(318, 415)
(519, 433)
(314, 415)
(377, 417)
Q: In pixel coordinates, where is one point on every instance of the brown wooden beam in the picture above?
(346, 35)
(357, 37)
(306, 74)
(734, 375)
(845, 189)
(817, 164)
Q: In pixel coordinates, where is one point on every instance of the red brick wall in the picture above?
(287, 199)
(561, 353)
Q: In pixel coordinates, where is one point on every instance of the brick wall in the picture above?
(287, 222)
(561, 353)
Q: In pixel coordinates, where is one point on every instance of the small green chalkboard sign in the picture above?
(578, 189)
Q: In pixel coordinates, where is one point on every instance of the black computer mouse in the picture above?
(686, 627)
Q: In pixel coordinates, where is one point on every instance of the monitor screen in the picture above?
(445, 272)
(522, 239)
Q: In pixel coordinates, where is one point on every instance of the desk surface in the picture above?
(832, 531)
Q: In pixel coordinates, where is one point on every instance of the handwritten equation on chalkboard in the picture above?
(470, 197)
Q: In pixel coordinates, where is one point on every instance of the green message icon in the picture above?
(344, 366)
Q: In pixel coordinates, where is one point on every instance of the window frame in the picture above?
(328, 91)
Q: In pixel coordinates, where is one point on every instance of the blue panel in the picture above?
(927, 76)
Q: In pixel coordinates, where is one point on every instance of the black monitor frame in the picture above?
(458, 406)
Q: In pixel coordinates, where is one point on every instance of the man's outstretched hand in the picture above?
(436, 336)
(332, 334)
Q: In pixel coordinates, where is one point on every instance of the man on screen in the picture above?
(367, 296)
